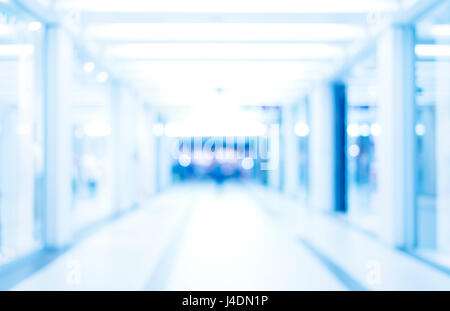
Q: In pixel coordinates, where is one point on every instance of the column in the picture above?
(124, 130)
(269, 152)
(290, 150)
(327, 147)
(321, 149)
(164, 161)
(396, 91)
(443, 152)
(339, 102)
(147, 154)
(58, 138)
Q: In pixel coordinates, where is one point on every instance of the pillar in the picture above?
(164, 158)
(125, 161)
(443, 152)
(321, 150)
(290, 150)
(147, 155)
(58, 138)
(395, 150)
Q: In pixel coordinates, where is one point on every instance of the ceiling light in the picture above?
(301, 129)
(34, 26)
(433, 50)
(255, 32)
(99, 129)
(158, 129)
(16, 49)
(88, 67)
(102, 77)
(260, 51)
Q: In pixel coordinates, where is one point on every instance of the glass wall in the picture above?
(362, 132)
(21, 135)
(92, 143)
(432, 135)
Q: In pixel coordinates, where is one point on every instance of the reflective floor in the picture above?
(231, 237)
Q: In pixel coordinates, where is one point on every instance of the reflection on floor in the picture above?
(234, 237)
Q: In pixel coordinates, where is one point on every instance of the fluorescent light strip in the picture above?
(225, 32)
(6, 30)
(176, 129)
(317, 6)
(224, 51)
(16, 49)
(434, 31)
(432, 50)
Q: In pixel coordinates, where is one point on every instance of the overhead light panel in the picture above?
(16, 49)
(102, 77)
(432, 50)
(317, 6)
(254, 32)
(34, 26)
(225, 51)
(88, 67)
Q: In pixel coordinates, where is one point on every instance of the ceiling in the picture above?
(235, 52)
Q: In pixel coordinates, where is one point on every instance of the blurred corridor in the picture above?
(210, 144)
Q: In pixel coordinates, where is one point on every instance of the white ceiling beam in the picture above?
(105, 43)
(260, 6)
(35, 11)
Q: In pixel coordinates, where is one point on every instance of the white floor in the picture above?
(235, 238)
